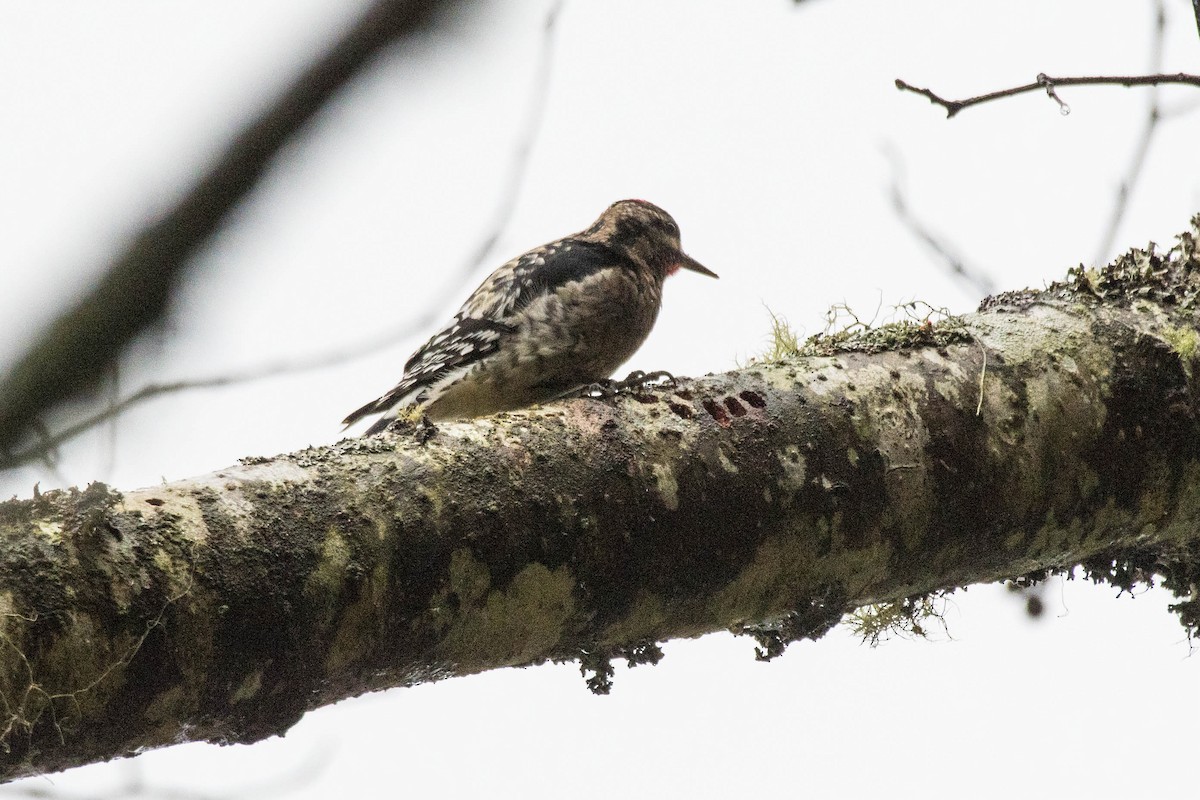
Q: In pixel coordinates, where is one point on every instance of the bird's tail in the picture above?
(358, 413)
(378, 406)
(380, 425)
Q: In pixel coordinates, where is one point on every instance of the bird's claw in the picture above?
(633, 381)
(640, 380)
(425, 430)
(605, 387)
(413, 422)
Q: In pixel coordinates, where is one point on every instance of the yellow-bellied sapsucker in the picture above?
(547, 323)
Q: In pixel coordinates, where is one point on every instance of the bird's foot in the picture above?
(641, 380)
(414, 422)
(425, 430)
(605, 387)
(633, 382)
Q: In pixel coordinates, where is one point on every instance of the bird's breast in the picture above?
(600, 322)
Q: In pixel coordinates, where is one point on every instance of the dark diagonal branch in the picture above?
(1048, 84)
(46, 443)
(1196, 12)
(78, 347)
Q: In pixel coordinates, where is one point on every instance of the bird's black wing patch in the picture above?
(518, 283)
(574, 260)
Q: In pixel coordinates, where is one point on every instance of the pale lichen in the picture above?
(668, 486)
(515, 624)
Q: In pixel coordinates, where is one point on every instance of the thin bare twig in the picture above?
(75, 352)
(1196, 11)
(975, 277)
(1153, 117)
(509, 191)
(1048, 84)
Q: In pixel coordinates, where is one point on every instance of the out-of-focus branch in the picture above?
(78, 347)
(1048, 84)
(131, 782)
(1153, 117)
(46, 443)
(1196, 11)
(974, 277)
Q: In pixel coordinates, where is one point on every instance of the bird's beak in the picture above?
(687, 262)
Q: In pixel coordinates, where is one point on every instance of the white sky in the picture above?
(764, 129)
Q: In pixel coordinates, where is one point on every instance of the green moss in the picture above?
(778, 572)
(469, 579)
(646, 619)
(1187, 499)
(784, 571)
(1157, 493)
(359, 624)
(248, 688)
(164, 708)
(514, 625)
(785, 342)
(1185, 342)
(668, 486)
(812, 617)
(327, 580)
(51, 531)
(923, 326)
(91, 674)
(906, 618)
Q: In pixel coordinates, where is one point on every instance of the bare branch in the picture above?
(974, 277)
(507, 195)
(1153, 117)
(1048, 84)
(46, 444)
(78, 347)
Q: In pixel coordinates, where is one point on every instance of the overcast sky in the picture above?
(772, 132)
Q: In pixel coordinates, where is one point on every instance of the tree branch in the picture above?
(77, 349)
(1048, 84)
(1048, 429)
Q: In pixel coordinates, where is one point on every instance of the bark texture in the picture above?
(1049, 429)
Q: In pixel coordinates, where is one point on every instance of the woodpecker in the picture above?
(549, 322)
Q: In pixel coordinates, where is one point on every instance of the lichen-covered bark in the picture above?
(1048, 429)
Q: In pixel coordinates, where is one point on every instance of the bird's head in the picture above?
(646, 234)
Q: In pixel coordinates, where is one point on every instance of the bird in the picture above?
(550, 322)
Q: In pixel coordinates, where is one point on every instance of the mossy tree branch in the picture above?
(1049, 429)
